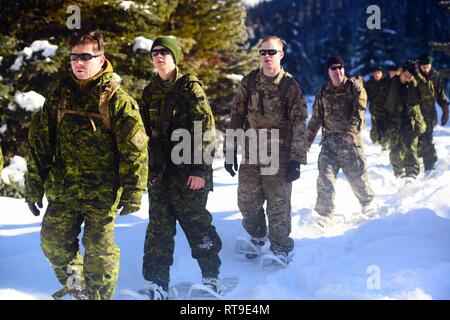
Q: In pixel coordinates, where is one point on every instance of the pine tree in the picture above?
(444, 47)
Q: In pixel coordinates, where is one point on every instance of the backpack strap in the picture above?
(285, 84)
(251, 83)
(108, 92)
(166, 114)
(103, 114)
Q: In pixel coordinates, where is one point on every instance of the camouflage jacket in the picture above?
(174, 106)
(401, 105)
(431, 94)
(263, 107)
(76, 155)
(372, 89)
(338, 110)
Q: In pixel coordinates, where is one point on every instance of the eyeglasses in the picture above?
(82, 56)
(163, 52)
(340, 67)
(270, 52)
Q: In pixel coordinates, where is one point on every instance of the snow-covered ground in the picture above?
(403, 254)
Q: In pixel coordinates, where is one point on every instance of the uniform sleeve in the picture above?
(297, 117)
(442, 99)
(316, 120)
(359, 107)
(39, 156)
(131, 141)
(200, 112)
(239, 111)
(143, 110)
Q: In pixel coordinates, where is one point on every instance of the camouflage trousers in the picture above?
(171, 201)
(426, 148)
(253, 190)
(337, 154)
(61, 226)
(404, 156)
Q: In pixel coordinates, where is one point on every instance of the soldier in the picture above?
(400, 99)
(88, 154)
(434, 94)
(269, 98)
(373, 88)
(339, 109)
(173, 102)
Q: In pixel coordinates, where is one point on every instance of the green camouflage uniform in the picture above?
(166, 107)
(405, 124)
(340, 111)
(88, 166)
(431, 95)
(373, 88)
(262, 107)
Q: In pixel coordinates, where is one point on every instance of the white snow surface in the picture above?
(402, 254)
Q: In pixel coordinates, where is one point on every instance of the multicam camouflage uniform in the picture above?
(340, 111)
(262, 106)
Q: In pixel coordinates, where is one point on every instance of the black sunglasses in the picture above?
(82, 56)
(163, 52)
(270, 52)
(340, 67)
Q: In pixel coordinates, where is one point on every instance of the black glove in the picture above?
(292, 171)
(444, 118)
(34, 207)
(229, 166)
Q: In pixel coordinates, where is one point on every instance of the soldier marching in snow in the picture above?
(431, 95)
(339, 109)
(88, 154)
(177, 192)
(269, 99)
(401, 98)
